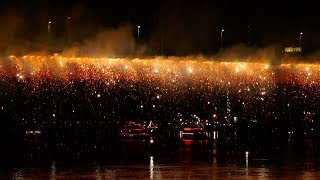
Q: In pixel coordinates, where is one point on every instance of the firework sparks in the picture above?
(166, 71)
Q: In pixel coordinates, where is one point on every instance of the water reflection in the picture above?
(247, 163)
(18, 174)
(185, 158)
(98, 173)
(151, 167)
(214, 152)
(53, 171)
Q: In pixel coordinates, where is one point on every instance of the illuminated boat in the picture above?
(133, 130)
(193, 131)
(33, 137)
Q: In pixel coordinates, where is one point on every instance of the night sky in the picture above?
(186, 27)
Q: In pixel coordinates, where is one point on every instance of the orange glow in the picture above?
(192, 129)
(165, 71)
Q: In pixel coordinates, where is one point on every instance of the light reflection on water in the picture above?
(162, 171)
(192, 159)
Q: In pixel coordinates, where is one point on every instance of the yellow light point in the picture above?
(237, 69)
(171, 70)
(20, 76)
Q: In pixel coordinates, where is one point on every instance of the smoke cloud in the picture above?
(117, 42)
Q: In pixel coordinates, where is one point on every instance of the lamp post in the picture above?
(162, 43)
(301, 33)
(68, 19)
(139, 33)
(249, 37)
(49, 36)
(49, 26)
(221, 36)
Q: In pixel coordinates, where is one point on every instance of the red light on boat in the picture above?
(192, 129)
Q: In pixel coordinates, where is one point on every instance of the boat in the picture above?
(193, 131)
(134, 130)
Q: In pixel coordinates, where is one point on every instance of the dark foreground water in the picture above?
(170, 158)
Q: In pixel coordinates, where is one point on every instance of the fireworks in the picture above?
(45, 91)
(165, 71)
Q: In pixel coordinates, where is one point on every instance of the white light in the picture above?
(190, 70)
(20, 76)
(247, 158)
(151, 167)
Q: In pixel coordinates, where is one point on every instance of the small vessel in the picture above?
(33, 137)
(193, 131)
(33, 140)
(134, 130)
(152, 128)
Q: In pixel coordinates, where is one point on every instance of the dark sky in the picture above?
(186, 26)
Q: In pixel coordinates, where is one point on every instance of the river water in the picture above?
(172, 158)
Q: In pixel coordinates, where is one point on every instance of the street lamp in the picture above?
(221, 35)
(68, 29)
(49, 26)
(249, 35)
(49, 36)
(138, 33)
(301, 39)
